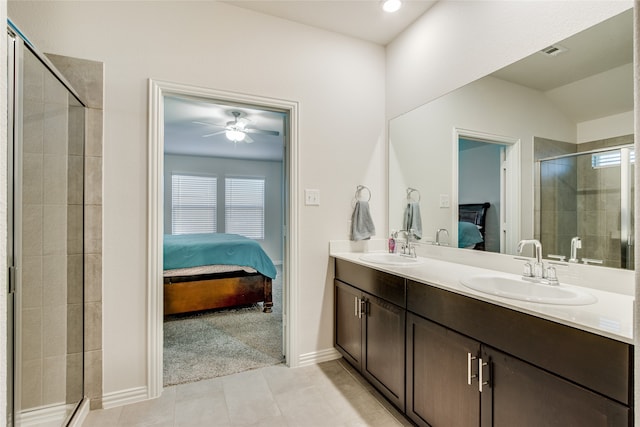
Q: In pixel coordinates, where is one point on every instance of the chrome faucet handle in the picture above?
(558, 257)
(527, 270)
(551, 275)
(591, 261)
(538, 270)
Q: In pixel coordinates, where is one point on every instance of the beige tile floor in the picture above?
(329, 394)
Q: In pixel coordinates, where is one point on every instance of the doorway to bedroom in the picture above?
(486, 191)
(224, 205)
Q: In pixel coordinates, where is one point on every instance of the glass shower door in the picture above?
(589, 195)
(48, 197)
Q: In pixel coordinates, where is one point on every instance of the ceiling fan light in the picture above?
(391, 5)
(235, 135)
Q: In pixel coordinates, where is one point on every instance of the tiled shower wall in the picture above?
(87, 78)
(46, 197)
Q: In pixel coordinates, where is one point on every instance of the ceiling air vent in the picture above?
(553, 50)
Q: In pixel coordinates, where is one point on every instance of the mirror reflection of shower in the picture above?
(586, 206)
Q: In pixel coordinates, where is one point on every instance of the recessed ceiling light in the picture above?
(391, 5)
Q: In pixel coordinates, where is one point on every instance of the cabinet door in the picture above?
(384, 357)
(523, 395)
(348, 334)
(438, 390)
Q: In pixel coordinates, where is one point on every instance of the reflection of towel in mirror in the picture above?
(362, 227)
(412, 220)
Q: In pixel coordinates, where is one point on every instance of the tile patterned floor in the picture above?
(329, 394)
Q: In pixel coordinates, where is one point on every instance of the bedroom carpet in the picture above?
(218, 343)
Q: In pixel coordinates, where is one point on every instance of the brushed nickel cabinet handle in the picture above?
(481, 381)
(470, 375)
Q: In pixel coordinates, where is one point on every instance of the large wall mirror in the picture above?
(540, 149)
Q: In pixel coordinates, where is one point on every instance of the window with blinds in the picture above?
(244, 207)
(193, 204)
(610, 158)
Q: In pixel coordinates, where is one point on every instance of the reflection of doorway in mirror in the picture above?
(486, 173)
(479, 182)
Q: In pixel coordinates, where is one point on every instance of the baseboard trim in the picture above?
(125, 397)
(51, 414)
(318, 357)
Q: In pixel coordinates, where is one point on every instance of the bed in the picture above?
(471, 225)
(213, 271)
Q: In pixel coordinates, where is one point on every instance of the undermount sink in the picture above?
(389, 259)
(519, 289)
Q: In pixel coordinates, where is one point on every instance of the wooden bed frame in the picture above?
(184, 294)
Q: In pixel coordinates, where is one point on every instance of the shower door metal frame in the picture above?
(626, 235)
(12, 52)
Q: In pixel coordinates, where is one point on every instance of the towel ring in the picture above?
(359, 191)
(410, 191)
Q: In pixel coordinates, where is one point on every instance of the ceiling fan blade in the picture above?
(247, 139)
(262, 131)
(208, 124)
(215, 133)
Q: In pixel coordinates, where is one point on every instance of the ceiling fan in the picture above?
(236, 130)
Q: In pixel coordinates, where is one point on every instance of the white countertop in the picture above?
(611, 316)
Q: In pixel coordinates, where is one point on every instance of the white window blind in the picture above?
(244, 207)
(608, 159)
(193, 204)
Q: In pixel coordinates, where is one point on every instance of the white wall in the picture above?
(338, 81)
(269, 170)
(606, 127)
(457, 42)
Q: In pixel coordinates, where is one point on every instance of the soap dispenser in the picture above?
(392, 242)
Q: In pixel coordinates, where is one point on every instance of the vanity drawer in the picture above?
(593, 361)
(383, 285)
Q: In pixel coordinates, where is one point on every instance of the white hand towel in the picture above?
(362, 227)
(412, 219)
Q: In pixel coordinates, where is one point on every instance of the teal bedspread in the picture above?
(468, 234)
(193, 250)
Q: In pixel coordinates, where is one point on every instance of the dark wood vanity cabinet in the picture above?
(348, 322)
(370, 319)
(438, 393)
(443, 386)
(463, 362)
(445, 367)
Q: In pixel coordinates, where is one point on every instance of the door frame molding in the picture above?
(155, 226)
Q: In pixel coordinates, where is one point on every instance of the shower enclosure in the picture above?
(588, 195)
(46, 193)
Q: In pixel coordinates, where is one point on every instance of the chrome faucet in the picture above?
(538, 273)
(537, 267)
(576, 243)
(438, 235)
(407, 248)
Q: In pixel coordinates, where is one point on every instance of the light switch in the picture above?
(444, 200)
(312, 197)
